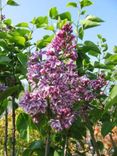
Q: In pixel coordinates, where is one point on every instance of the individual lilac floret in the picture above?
(3, 87)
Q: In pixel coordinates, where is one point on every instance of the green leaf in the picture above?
(63, 16)
(8, 22)
(3, 106)
(72, 4)
(77, 130)
(3, 35)
(100, 145)
(3, 43)
(45, 41)
(34, 146)
(49, 27)
(22, 58)
(95, 114)
(53, 12)
(102, 66)
(9, 92)
(61, 23)
(4, 59)
(12, 3)
(22, 32)
(22, 124)
(111, 100)
(99, 36)
(115, 49)
(107, 55)
(85, 3)
(23, 24)
(81, 33)
(91, 48)
(107, 127)
(81, 56)
(89, 24)
(41, 21)
(83, 12)
(106, 117)
(59, 152)
(94, 18)
(103, 40)
(115, 75)
(104, 46)
(27, 152)
(56, 153)
(33, 20)
(91, 21)
(19, 40)
(112, 59)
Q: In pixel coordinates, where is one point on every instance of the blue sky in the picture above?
(106, 9)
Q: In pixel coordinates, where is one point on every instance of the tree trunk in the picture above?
(13, 128)
(6, 133)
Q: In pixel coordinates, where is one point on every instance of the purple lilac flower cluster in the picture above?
(64, 43)
(55, 82)
(35, 103)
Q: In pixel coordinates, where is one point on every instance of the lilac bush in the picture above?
(55, 83)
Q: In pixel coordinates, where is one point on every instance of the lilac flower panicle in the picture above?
(65, 41)
(52, 75)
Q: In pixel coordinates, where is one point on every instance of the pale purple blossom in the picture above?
(55, 124)
(33, 104)
(64, 119)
